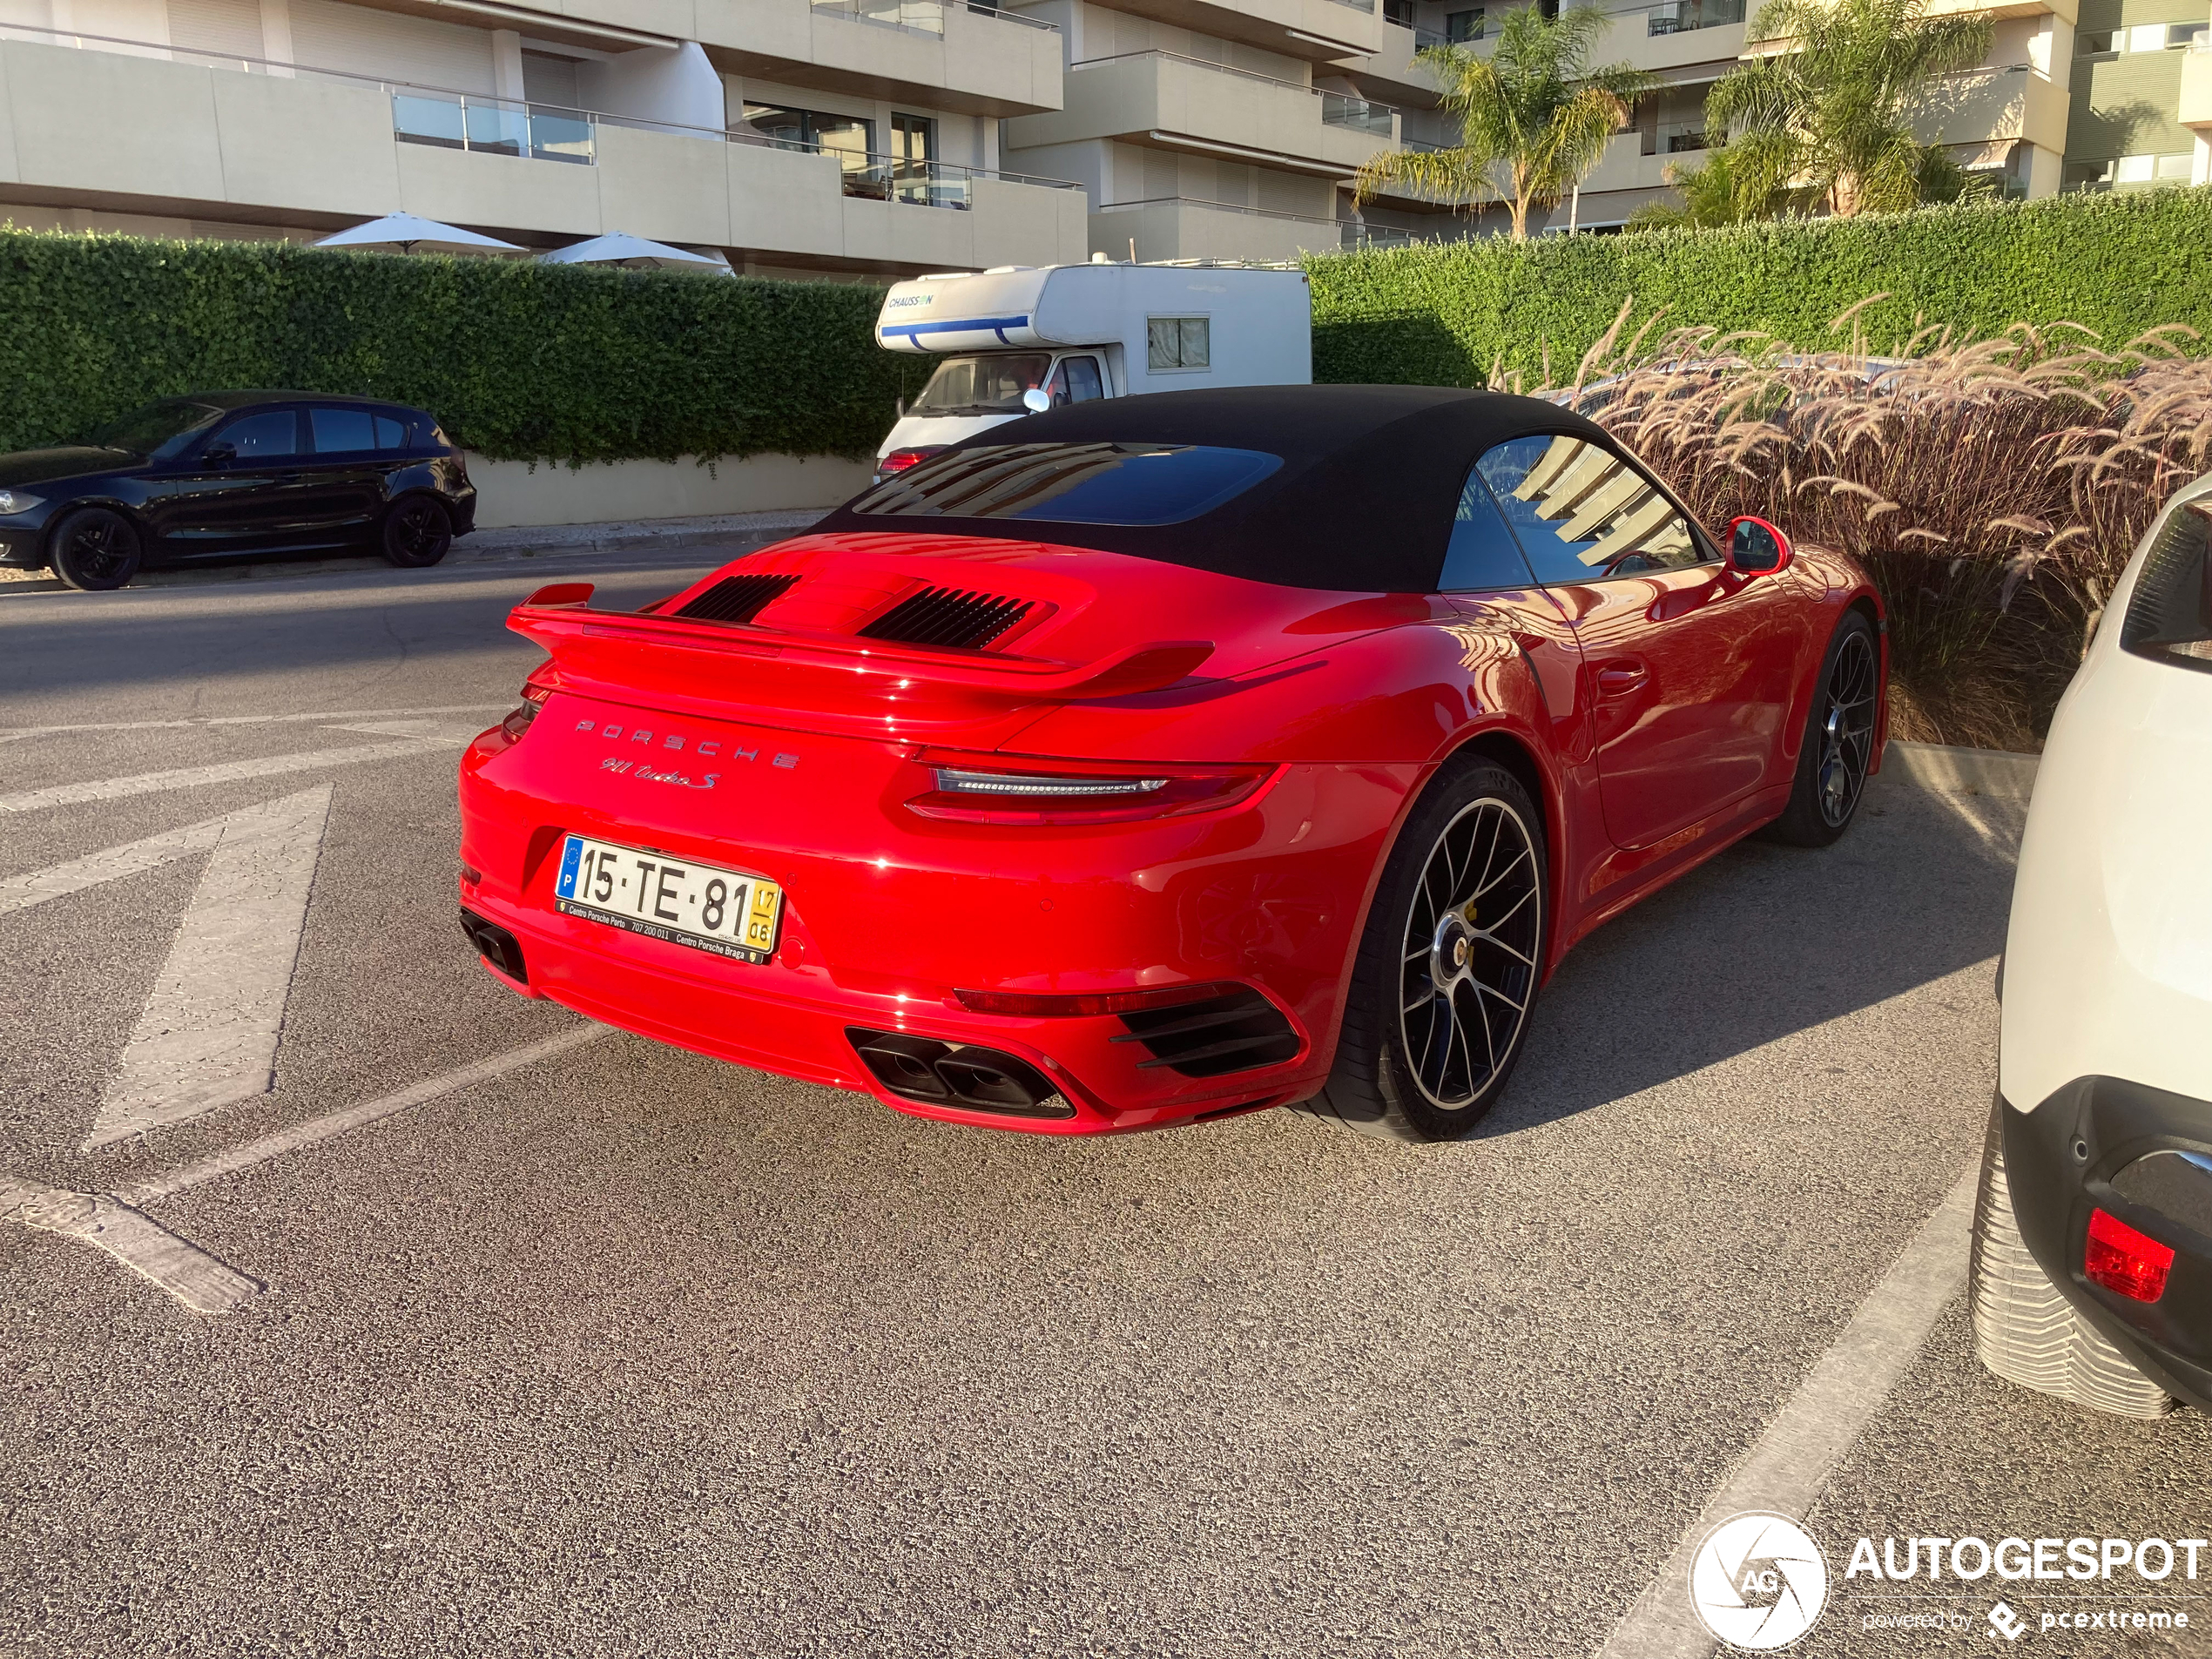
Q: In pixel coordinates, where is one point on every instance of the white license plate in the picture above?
(686, 903)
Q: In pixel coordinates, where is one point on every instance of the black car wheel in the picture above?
(95, 549)
(417, 531)
(1839, 741)
(1449, 965)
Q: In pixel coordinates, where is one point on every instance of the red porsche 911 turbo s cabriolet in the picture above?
(1159, 759)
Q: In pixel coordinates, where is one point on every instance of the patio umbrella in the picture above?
(619, 247)
(406, 233)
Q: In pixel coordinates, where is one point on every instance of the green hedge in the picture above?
(517, 360)
(1432, 315)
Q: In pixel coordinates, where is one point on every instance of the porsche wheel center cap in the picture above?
(1460, 951)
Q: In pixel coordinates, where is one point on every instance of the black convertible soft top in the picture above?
(1363, 503)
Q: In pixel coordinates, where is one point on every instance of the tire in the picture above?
(1406, 1068)
(417, 532)
(2025, 1329)
(95, 550)
(1838, 740)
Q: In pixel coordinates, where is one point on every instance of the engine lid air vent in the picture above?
(949, 618)
(737, 598)
(1234, 1032)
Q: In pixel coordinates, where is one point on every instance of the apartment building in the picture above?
(1199, 129)
(799, 138)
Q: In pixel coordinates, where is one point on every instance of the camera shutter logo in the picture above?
(1758, 1581)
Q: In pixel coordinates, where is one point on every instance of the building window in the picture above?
(848, 138)
(1177, 343)
(1462, 26)
(2113, 172)
(2142, 37)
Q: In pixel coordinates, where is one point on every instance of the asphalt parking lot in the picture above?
(610, 1349)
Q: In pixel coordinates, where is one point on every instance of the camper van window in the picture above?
(1076, 381)
(990, 384)
(1132, 484)
(1177, 343)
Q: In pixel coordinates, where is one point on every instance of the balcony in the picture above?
(1177, 227)
(1995, 105)
(965, 56)
(1181, 102)
(1394, 67)
(1320, 30)
(2196, 90)
(226, 144)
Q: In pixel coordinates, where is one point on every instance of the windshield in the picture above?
(150, 431)
(991, 384)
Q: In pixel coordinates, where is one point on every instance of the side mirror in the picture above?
(1755, 548)
(218, 455)
(1037, 400)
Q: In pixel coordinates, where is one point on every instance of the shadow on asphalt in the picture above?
(1766, 941)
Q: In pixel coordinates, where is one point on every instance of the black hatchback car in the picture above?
(224, 473)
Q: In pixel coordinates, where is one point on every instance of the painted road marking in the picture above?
(207, 1037)
(141, 1244)
(37, 886)
(218, 1164)
(1791, 1465)
(115, 1223)
(149, 783)
(11, 734)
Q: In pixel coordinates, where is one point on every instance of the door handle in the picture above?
(1615, 679)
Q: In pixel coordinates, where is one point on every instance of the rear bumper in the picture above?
(2115, 1145)
(887, 915)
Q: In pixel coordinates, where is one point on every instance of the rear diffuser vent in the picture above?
(949, 618)
(737, 598)
(1235, 1032)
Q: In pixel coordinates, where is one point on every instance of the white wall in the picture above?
(654, 84)
(511, 493)
(329, 35)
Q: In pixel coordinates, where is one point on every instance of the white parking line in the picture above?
(218, 1164)
(1789, 1467)
(12, 734)
(207, 1036)
(149, 783)
(141, 1244)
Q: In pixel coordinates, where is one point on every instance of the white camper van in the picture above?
(1013, 341)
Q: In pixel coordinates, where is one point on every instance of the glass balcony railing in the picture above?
(916, 17)
(495, 126)
(1361, 116)
(1680, 17)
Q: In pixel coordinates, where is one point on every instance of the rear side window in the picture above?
(1071, 483)
(1482, 553)
(270, 435)
(1178, 342)
(390, 434)
(342, 431)
(1582, 513)
(2169, 617)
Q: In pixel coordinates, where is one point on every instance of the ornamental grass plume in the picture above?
(1993, 488)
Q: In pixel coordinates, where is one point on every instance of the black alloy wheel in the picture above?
(1449, 965)
(417, 532)
(1838, 742)
(1468, 964)
(95, 549)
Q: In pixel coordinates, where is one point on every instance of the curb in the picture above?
(735, 531)
(1949, 771)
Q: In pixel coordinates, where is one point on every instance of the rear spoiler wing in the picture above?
(560, 613)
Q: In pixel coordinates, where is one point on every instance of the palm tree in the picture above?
(1825, 120)
(1533, 117)
(1731, 188)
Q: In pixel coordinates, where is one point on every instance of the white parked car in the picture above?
(2092, 1275)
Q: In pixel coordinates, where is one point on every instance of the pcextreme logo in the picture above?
(1758, 1581)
